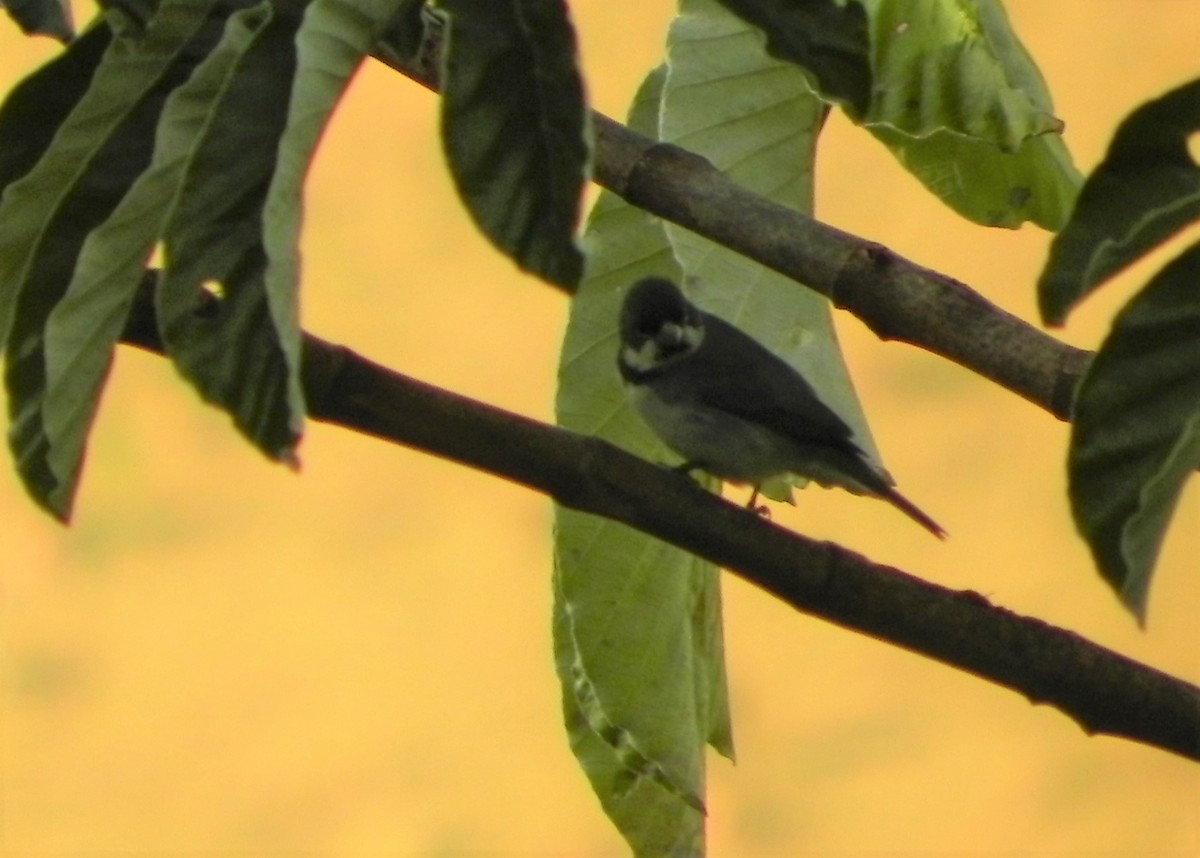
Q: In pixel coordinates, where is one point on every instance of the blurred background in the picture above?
(220, 656)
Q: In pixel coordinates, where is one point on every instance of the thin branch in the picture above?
(895, 297)
(1103, 691)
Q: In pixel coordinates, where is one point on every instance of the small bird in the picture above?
(731, 407)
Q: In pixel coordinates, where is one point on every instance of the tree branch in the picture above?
(896, 298)
(1103, 691)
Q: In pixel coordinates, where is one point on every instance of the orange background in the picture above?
(221, 656)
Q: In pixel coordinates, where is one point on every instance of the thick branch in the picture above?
(894, 297)
(1102, 690)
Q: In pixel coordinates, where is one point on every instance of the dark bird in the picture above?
(731, 407)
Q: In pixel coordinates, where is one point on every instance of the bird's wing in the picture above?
(766, 391)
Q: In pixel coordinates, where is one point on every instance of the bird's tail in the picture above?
(910, 509)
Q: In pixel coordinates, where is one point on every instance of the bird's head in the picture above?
(657, 325)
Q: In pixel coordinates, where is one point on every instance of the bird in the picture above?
(732, 408)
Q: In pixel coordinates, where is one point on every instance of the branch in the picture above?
(1102, 690)
(895, 298)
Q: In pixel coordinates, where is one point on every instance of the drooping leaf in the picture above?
(334, 39)
(37, 106)
(637, 631)
(513, 128)
(1136, 429)
(83, 328)
(827, 37)
(211, 300)
(1145, 190)
(42, 17)
(102, 146)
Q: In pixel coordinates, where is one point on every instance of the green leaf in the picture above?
(39, 104)
(45, 216)
(964, 108)
(950, 64)
(639, 658)
(987, 185)
(1136, 429)
(42, 17)
(637, 631)
(221, 147)
(757, 120)
(84, 327)
(513, 128)
(947, 86)
(1145, 190)
(334, 39)
(827, 37)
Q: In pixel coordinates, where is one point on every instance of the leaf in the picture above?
(211, 301)
(102, 146)
(1136, 429)
(757, 120)
(826, 37)
(38, 105)
(42, 17)
(513, 128)
(228, 298)
(991, 187)
(335, 37)
(965, 110)
(946, 64)
(637, 631)
(634, 658)
(947, 86)
(83, 328)
(1145, 190)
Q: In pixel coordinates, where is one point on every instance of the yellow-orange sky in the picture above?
(223, 657)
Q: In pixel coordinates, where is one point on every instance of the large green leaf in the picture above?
(1136, 428)
(45, 216)
(963, 107)
(637, 631)
(952, 92)
(513, 127)
(1145, 190)
(955, 65)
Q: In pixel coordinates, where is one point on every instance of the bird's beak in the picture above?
(670, 336)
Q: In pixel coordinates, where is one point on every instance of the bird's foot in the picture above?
(761, 511)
